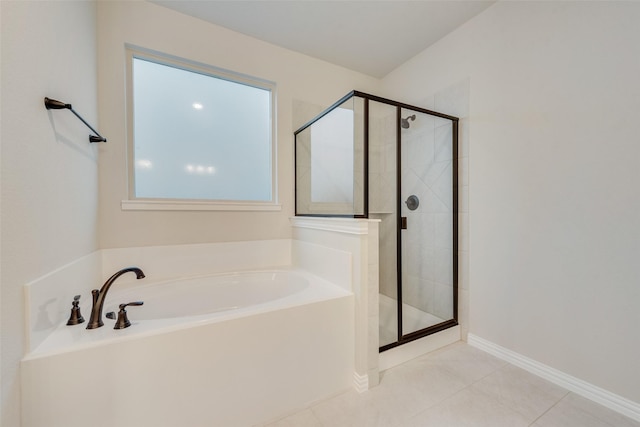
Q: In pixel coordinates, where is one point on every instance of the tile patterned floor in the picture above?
(458, 386)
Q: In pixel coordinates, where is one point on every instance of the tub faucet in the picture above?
(99, 295)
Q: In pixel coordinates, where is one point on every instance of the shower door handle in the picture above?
(403, 223)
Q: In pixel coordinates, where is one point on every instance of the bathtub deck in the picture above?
(72, 338)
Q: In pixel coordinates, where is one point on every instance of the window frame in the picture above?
(142, 203)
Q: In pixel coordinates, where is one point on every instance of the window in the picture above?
(198, 134)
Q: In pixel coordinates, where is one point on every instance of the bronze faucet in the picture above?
(99, 295)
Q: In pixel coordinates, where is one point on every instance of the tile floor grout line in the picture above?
(550, 408)
(490, 373)
(592, 414)
(436, 404)
(499, 402)
(468, 386)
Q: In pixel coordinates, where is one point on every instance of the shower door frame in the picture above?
(401, 338)
(405, 338)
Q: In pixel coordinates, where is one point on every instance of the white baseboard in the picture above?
(605, 398)
(360, 382)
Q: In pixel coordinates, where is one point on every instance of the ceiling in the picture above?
(372, 37)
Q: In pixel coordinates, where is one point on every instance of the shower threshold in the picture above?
(413, 319)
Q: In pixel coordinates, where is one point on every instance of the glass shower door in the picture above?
(426, 206)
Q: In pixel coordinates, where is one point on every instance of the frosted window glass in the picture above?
(199, 137)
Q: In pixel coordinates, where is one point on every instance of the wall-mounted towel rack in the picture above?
(52, 104)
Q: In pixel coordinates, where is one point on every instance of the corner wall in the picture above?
(554, 231)
(49, 169)
(344, 251)
(298, 77)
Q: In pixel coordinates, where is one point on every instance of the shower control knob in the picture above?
(412, 202)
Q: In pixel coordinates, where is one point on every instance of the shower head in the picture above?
(405, 122)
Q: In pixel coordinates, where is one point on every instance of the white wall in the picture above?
(153, 27)
(553, 179)
(1, 374)
(49, 169)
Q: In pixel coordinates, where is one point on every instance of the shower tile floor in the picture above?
(458, 386)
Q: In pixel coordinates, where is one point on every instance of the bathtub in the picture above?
(215, 295)
(235, 349)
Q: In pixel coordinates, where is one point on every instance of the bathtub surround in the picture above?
(170, 262)
(48, 298)
(232, 372)
(180, 303)
(309, 348)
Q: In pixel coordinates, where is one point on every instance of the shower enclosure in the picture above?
(371, 157)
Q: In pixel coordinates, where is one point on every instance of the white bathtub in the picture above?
(233, 349)
(211, 294)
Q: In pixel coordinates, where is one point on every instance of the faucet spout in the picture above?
(99, 296)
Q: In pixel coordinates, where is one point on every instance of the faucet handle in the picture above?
(123, 321)
(122, 306)
(75, 318)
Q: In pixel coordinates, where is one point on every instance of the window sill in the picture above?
(176, 205)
